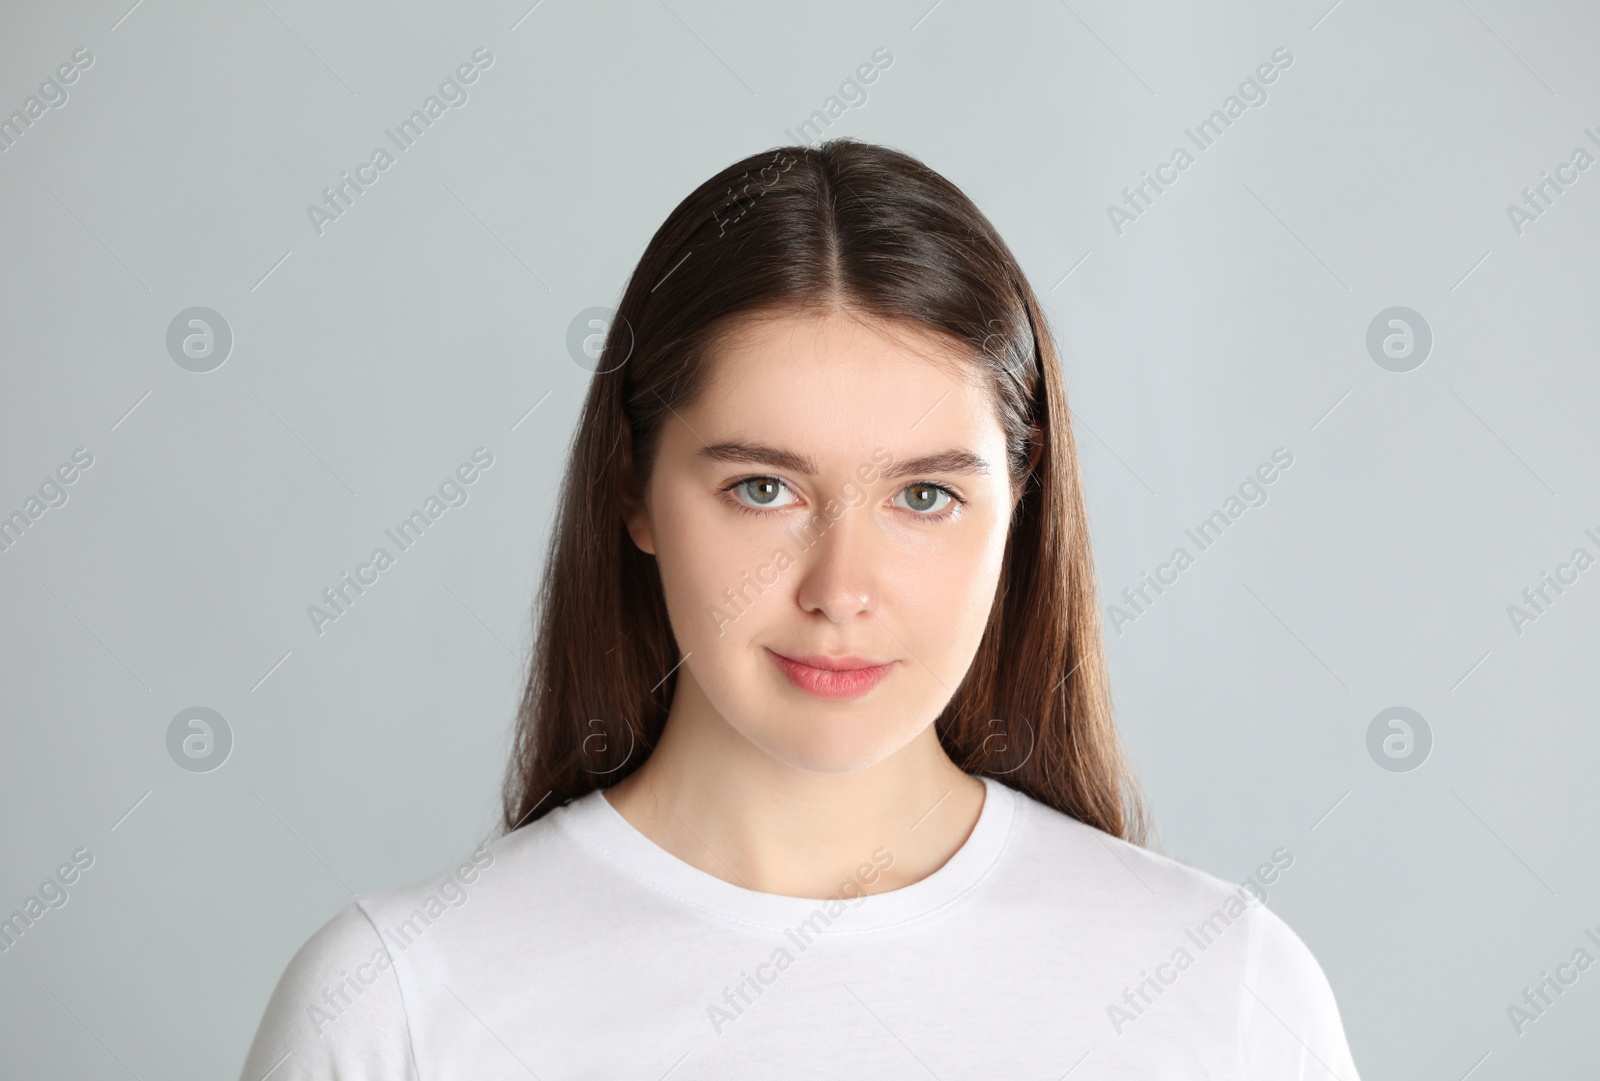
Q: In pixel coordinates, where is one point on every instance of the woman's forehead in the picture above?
(838, 360)
(835, 389)
(840, 336)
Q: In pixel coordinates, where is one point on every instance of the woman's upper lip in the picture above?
(847, 662)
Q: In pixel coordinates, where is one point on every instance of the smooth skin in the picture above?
(755, 781)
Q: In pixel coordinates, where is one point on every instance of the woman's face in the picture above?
(837, 499)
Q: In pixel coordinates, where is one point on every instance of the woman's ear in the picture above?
(635, 505)
(636, 514)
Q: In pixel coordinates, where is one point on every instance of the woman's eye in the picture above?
(925, 498)
(764, 492)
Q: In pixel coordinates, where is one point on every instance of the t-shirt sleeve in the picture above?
(1289, 1023)
(336, 1013)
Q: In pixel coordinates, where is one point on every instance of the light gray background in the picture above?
(369, 361)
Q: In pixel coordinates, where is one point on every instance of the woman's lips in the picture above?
(832, 677)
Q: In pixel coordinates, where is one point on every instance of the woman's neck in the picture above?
(718, 802)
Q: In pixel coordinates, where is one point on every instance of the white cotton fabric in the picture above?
(577, 948)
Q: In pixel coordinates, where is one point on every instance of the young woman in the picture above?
(815, 773)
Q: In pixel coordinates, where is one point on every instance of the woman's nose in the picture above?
(839, 572)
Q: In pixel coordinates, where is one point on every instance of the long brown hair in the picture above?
(843, 225)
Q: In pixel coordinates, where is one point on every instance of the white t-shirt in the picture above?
(577, 948)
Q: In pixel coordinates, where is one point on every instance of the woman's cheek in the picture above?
(959, 579)
(710, 553)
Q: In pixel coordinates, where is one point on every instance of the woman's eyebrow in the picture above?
(740, 450)
(946, 461)
(954, 460)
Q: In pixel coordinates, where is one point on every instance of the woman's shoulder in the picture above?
(1087, 859)
(1171, 918)
(1151, 896)
(339, 1007)
(522, 873)
(336, 1010)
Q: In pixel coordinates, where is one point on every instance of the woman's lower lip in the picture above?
(825, 684)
